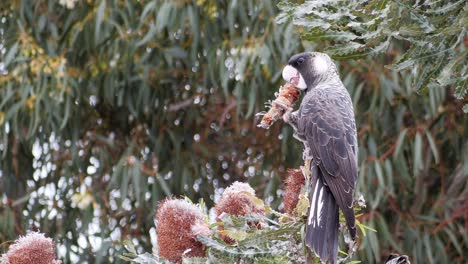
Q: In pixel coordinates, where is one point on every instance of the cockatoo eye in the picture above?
(300, 60)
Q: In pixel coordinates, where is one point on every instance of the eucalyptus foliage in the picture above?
(106, 107)
(109, 106)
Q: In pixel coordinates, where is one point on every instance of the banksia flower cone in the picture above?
(235, 201)
(32, 248)
(178, 225)
(294, 183)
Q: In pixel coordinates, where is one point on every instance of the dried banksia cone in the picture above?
(288, 95)
(294, 183)
(32, 248)
(178, 225)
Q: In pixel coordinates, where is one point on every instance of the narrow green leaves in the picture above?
(433, 146)
(399, 142)
(100, 13)
(11, 53)
(417, 154)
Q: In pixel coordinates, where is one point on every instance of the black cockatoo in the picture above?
(325, 124)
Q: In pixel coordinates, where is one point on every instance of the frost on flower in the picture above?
(178, 225)
(32, 248)
(235, 201)
(239, 187)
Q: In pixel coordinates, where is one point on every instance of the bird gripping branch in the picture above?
(325, 124)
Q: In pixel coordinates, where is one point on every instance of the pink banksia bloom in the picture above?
(237, 200)
(178, 225)
(294, 183)
(33, 248)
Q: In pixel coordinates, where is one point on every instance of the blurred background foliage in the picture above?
(106, 107)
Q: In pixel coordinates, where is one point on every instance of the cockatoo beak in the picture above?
(292, 75)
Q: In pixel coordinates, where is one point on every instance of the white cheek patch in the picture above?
(320, 65)
(291, 75)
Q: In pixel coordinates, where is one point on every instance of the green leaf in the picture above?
(100, 13)
(417, 152)
(348, 51)
(435, 152)
(450, 6)
(363, 228)
(379, 173)
(11, 53)
(195, 260)
(129, 246)
(237, 235)
(275, 234)
(149, 36)
(399, 142)
(217, 245)
(330, 35)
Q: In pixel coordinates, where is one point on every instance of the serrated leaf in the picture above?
(422, 21)
(402, 65)
(426, 77)
(269, 235)
(410, 30)
(146, 258)
(444, 77)
(346, 51)
(216, 244)
(195, 260)
(315, 23)
(331, 35)
(237, 235)
(382, 47)
(450, 6)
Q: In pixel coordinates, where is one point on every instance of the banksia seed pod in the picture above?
(178, 225)
(32, 248)
(294, 183)
(288, 95)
